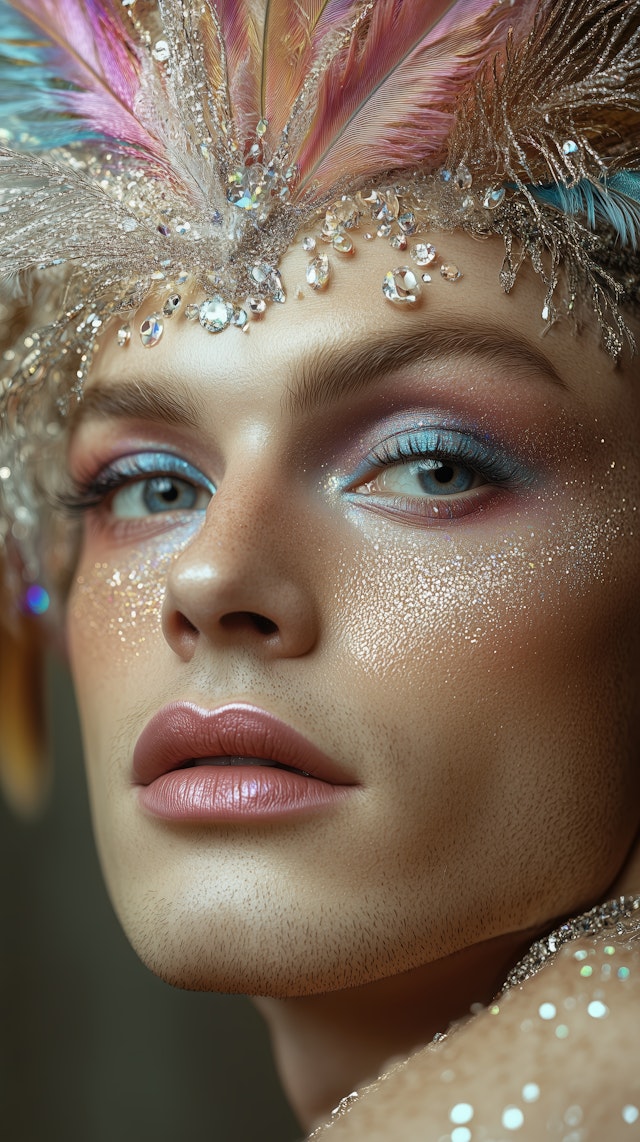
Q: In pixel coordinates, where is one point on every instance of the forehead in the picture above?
(321, 345)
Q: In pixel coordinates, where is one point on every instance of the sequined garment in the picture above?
(611, 928)
(167, 153)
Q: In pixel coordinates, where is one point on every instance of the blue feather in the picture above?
(30, 116)
(614, 202)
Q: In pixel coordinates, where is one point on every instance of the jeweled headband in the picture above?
(165, 154)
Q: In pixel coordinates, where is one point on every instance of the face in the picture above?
(410, 534)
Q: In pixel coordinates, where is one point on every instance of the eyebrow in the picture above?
(330, 373)
(137, 399)
(333, 372)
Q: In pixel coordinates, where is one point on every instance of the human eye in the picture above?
(436, 474)
(139, 486)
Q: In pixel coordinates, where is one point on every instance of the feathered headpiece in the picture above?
(181, 145)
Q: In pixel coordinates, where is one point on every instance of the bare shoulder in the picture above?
(555, 1058)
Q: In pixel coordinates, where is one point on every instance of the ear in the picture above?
(25, 769)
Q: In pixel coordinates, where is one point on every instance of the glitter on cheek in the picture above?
(121, 600)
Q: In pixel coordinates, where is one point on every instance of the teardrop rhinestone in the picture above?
(240, 318)
(318, 272)
(464, 178)
(493, 197)
(401, 286)
(123, 336)
(423, 253)
(215, 314)
(151, 330)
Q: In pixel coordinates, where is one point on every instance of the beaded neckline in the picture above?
(618, 917)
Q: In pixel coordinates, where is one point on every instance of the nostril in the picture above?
(264, 625)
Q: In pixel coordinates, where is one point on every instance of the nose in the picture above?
(243, 581)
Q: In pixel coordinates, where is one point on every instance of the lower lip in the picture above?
(235, 793)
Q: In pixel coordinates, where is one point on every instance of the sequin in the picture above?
(512, 1118)
(586, 971)
(461, 1113)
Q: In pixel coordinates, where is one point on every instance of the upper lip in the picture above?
(182, 732)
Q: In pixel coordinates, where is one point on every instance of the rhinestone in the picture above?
(423, 253)
(318, 272)
(346, 212)
(182, 277)
(308, 244)
(398, 241)
(215, 314)
(450, 272)
(407, 222)
(493, 197)
(192, 312)
(261, 273)
(570, 147)
(401, 286)
(247, 187)
(343, 244)
(171, 304)
(426, 277)
(468, 202)
(261, 128)
(330, 226)
(257, 305)
(240, 318)
(181, 226)
(129, 225)
(445, 176)
(123, 336)
(368, 237)
(464, 178)
(151, 330)
(279, 295)
(384, 230)
(160, 51)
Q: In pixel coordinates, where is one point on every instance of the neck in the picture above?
(328, 1045)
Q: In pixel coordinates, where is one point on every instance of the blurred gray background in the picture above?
(93, 1048)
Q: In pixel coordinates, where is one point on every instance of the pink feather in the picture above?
(96, 54)
(386, 100)
(293, 36)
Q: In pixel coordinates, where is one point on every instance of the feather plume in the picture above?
(386, 100)
(575, 79)
(614, 203)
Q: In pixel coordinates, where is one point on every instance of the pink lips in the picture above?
(178, 780)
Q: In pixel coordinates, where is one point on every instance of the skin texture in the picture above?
(475, 677)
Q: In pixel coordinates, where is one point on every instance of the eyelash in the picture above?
(438, 444)
(83, 496)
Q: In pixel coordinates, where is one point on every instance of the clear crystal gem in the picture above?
(330, 226)
(407, 222)
(261, 273)
(279, 295)
(215, 314)
(493, 197)
(308, 244)
(368, 237)
(171, 304)
(426, 277)
(450, 272)
(151, 330)
(240, 318)
(401, 286)
(343, 244)
(257, 305)
(384, 230)
(464, 178)
(346, 212)
(445, 176)
(160, 51)
(423, 253)
(123, 336)
(129, 225)
(248, 186)
(192, 312)
(570, 147)
(398, 241)
(261, 128)
(181, 226)
(318, 272)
